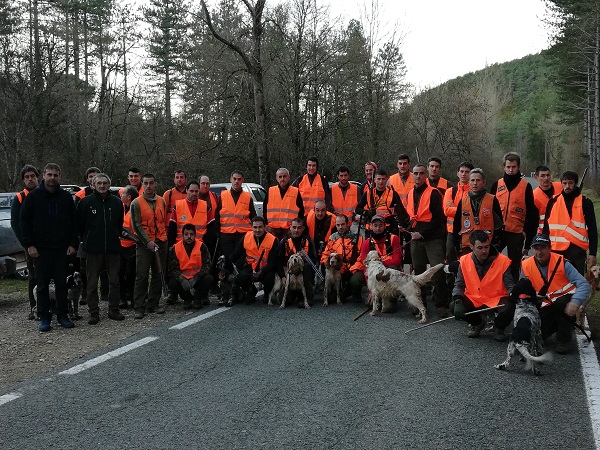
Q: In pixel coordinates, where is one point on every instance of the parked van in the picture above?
(257, 192)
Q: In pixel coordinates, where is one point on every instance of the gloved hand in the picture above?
(459, 307)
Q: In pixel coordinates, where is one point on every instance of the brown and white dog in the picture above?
(385, 284)
(593, 277)
(333, 278)
(294, 279)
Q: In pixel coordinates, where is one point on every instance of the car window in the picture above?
(6, 200)
(217, 189)
(259, 194)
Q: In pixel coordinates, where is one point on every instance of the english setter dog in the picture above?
(294, 280)
(593, 277)
(333, 278)
(385, 284)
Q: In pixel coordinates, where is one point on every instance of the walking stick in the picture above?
(452, 317)
(161, 273)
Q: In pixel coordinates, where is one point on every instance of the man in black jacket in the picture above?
(100, 222)
(49, 234)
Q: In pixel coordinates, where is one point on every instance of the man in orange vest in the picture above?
(256, 255)
(30, 176)
(189, 269)
(571, 224)
(519, 212)
(544, 192)
(134, 177)
(282, 204)
(148, 213)
(562, 290)
(177, 192)
(452, 198)
(369, 183)
(345, 195)
(90, 173)
(484, 280)
(402, 182)
(320, 223)
(425, 221)
(434, 165)
(127, 269)
(211, 236)
(189, 210)
(313, 186)
(234, 213)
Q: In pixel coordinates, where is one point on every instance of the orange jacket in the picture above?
(183, 216)
(253, 252)
(564, 229)
(127, 224)
(484, 221)
(489, 290)
(153, 221)
(311, 193)
(344, 205)
(423, 213)
(450, 204)
(282, 210)
(189, 265)
(401, 188)
(560, 284)
(171, 197)
(541, 201)
(235, 217)
(512, 205)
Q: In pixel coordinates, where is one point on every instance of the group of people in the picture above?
(413, 217)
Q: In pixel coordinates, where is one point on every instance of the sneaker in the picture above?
(44, 325)
(563, 348)
(65, 322)
(116, 315)
(499, 335)
(475, 330)
(94, 319)
(139, 315)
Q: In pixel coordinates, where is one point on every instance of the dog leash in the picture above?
(579, 327)
(477, 311)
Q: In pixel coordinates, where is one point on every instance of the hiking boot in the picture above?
(123, 304)
(116, 315)
(44, 325)
(94, 319)
(139, 315)
(499, 335)
(155, 310)
(65, 322)
(205, 301)
(475, 330)
(563, 348)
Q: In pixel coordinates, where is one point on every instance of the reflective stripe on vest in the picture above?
(402, 188)
(560, 284)
(485, 218)
(253, 252)
(153, 220)
(183, 216)
(423, 213)
(21, 195)
(344, 205)
(565, 230)
(513, 205)
(489, 290)
(235, 217)
(281, 211)
(192, 264)
(310, 224)
(127, 224)
(311, 193)
(541, 202)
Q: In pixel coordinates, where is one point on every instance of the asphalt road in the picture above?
(254, 377)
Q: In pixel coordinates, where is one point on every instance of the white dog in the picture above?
(385, 284)
(333, 278)
(276, 291)
(294, 279)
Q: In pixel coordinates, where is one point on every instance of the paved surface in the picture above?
(254, 377)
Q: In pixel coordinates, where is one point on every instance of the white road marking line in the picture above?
(197, 319)
(112, 354)
(9, 397)
(591, 375)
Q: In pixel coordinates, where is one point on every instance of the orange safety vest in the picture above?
(192, 264)
(450, 204)
(513, 205)
(489, 290)
(235, 217)
(183, 216)
(564, 229)
(213, 205)
(423, 213)
(401, 188)
(21, 195)
(442, 185)
(470, 223)
(385, 249)
(311, 193)
(153, 220)
(344, 205)
(560, 284)
(343, 246)
(290, 248)
(383, 204)
(282, 211)
(541, 202)
(310, 224)
(80, 194)
(174, 195)
(253, 252)
(140, 190)
(126, 243)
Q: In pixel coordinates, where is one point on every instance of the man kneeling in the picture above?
(189, 269)
(484, 281)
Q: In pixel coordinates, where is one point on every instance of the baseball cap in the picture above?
(377, 217)
(540, 239)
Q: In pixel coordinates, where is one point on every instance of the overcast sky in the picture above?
(447, 38)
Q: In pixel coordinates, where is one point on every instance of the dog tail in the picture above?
(545, 358)
(422, 279)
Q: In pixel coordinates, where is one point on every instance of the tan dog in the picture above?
(295, 279)
(385, 284)
(333, 278)
(593, 277)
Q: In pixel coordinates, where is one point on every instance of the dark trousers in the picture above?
(201, 288)
(279, 233)
(431, 251)
(554, 320)
(145, 261)
(503, 318)
(127, 274)
(30, 280)
(104, 284)
(228, 242)
(576, 256)
(244, 280)
(52, 264)
(96, 263)
(356, 282)
(514, 249)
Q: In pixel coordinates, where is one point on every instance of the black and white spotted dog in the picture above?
(227, 280)
(526, 337)
(74, 289)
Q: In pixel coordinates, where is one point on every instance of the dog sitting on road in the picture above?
(593, 277)
(333, 278)
(526, 337)
(295, 279)
(385, 284)
(227, 276)
(74, 289)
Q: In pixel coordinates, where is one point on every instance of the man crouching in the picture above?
(189, 269)
(484, 281)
